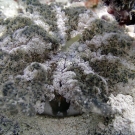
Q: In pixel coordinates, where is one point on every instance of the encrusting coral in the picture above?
(38, 76)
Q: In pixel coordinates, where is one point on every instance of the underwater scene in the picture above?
(67, 67)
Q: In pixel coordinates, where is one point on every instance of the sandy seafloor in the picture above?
(86, 124)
